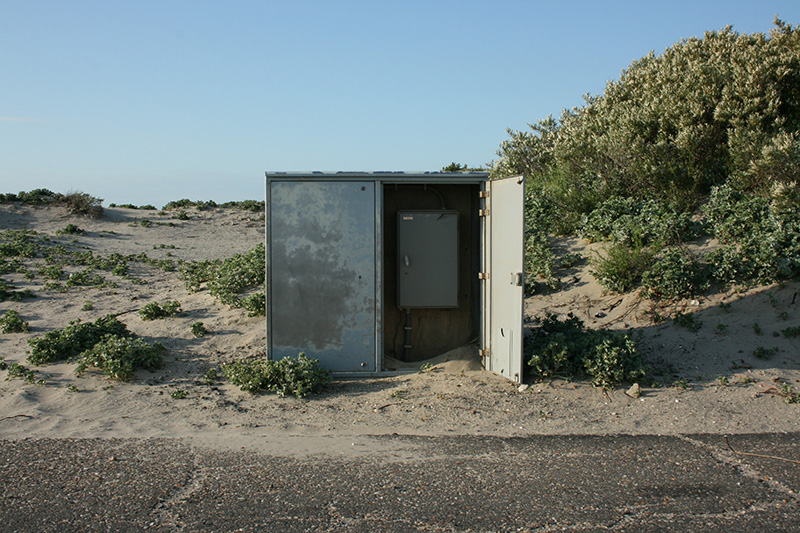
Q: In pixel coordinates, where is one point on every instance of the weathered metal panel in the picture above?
(505, 259)
(322, 273)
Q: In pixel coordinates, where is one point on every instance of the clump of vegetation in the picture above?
(789, 394)
(688, 321)
(566, 348)
(298, 376)
(7, 292)
(691, 127)
(154, 311)
(76, 338)
(78, 203)
(764, 353)
(198, 329)
(132, 206)
(622, 267)
(16, 370)
(791, 332)
(626, 220)
(70, 229)
(11, 322)
(210, 377)
(675, 273)
(118, 357)
(230, 278)
(179, 394)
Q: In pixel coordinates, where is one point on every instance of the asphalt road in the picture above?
(402, 483)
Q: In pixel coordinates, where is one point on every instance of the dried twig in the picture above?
(16, 416)
(759, 454)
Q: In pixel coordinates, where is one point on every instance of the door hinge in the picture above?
(483, 194)
(483, 275)
(483, 212)
(484, 353)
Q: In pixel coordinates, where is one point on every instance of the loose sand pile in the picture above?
(728, 389)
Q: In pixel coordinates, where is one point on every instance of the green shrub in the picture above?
(18, 243)
(764, 353)
(626, 220)
(688, 321)
(71, 229)
(255, 304)
(566, 348)
(7, 293)
(227, 279)
(12, 323)
(198, 329)
(80, 203)
(622, 267)
(118, 357)
(16, 370)
(791, 332)
(675, 274)
(78, 337)
(154, 311)
(298, 376)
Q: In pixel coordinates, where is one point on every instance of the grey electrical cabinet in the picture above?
(372, 272)
(427, 255)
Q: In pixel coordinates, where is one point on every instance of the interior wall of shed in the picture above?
(433, 331)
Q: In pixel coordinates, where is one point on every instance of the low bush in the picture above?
(229, 278)
(11, 322)
(629, 221)
(622, 267)
(16, 370)
(118, 357)
(154, 311)
(566, 348)
(674, 274)
(81, 203)
(7, 292)
(78, 337)
(198, 329)
(298, 376)
(70, 229)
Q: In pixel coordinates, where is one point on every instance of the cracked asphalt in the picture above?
(406, 483)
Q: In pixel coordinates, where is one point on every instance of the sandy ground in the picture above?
(728, 390)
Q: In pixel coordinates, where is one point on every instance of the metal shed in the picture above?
(367, 271)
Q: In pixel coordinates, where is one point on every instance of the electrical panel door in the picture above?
(427, 259)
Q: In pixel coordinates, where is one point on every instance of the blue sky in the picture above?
(150, 101)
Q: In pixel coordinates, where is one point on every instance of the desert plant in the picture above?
(566, 348)
(77, 337)
(81, 203)
(622, 267)
(210, 377)
(688, 321)
(154, 311)
(198, 329)
(118, 357)
(298, 376)
(71, 229)
(764, 353)
(179, 394)
(675, 274)
(11, 322)
(791, 332)
(16, 370)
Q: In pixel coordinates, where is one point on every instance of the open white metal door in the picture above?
(505, 284)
